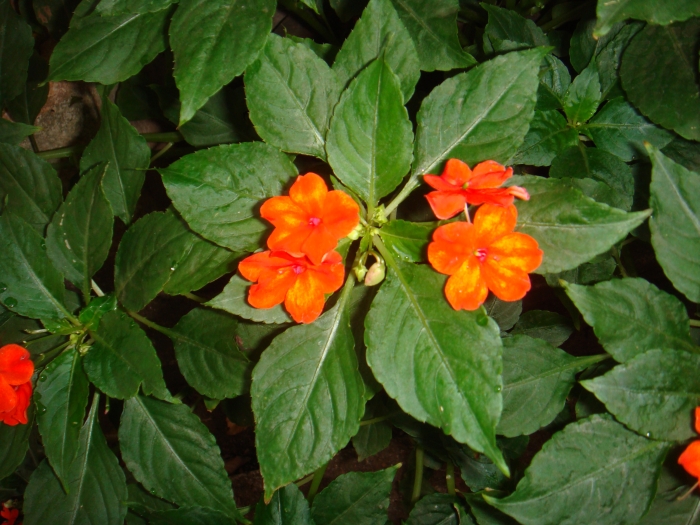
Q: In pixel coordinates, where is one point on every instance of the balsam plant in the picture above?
(549, 137)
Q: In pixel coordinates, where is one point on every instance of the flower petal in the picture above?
(488, 166)
(439, 183)
(309, 193)
(16, 366)
(517, 251)
(697, 420)
(490, 177)
(690, 459)
(305, 299)
(329, 275)
(290, 239)
(492, 221)
(466, 289)
(507, 283)
(271, 291)
(452, 245)
(283, 212)
(456, 172)
(340, 214)
(445, 204)
(498, 196)
(18, 415)
(519, 192)
(8, 396)
(319, 242)
(252, 266)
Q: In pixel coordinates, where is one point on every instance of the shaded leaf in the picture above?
(505, 313)
(125, 7)
(608, 58)
(549, 326)
(435, 509)
(26, 106)
(548, 136)
(234, 300)
(287, 507)
(667, 508)
(554, 83)
(583, 96)
(408, 240)
(16, 45)
(508, 31)
(54, 15)
(189, 516)
(684, 152)
(14, 443)
(656, 12)
(15, 132)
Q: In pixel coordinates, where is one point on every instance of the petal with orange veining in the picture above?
(456, 172)
(452, 244)
(305, 299)
(517, 250)
(508, 284)
(272, 290)
(466, 289)
(445, 204)
(318, 244)
(8, 397)
(309, 192)
(492, 221)
(340, 214)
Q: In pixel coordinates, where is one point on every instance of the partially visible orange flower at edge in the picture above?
(486, 255)
(311, 220)
(690, 459)
(16, 369)
(296, 281)
(459, 185)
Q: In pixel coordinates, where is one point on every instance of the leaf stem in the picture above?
(60, 153)
(315, 483)
(411, 184)
(418, 478)
(450, 478)
(98, 291)
(304, 481)
(150, 324)
(161, 152)
(51, 354)
(193, 297)
(372, 421)
(695, 323)
(618, 260)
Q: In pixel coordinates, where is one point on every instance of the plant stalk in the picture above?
(315, 483)
(418, 478)
(60, 153)
(695, 323)
(450, 478)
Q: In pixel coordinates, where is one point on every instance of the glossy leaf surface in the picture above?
(548, 136)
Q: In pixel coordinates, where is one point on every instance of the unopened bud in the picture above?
(360, 271)
(356, 233)
(376, 273)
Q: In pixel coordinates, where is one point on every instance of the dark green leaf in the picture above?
(125, 7)
(675, 223)
(136, 100)
(371, 439)
(16, 45)
(481, 114)
(92, 314)
(652, 394)
(172, 454)
(548, 136)
(435, 509)
(234, 301)
(684, 152)
(95, 483)
(14, 443)
(80, 234)
(659, 74)
(630, 316)
(123, 358)
(508, 31)
(442, 366)
(26, 106)
(305, 417)
(189, 516)
(291, 93)
(536, 380)
(207, 354)
(355, 497)
(327, 52)
(584, 46)
(32, 286)
(62, 396)
(408, 240)
(218, 190)
(485, 514)
(346, 9)
(594, 471)
(619, 129)
(287, 507)
(608, 58)
(214, 41)
(552, 327)
(570, 227)
(655, 11)
(109, 49)
(433, 27)
(14, 132)
(379, 33)
(554, 83)
(370, 135)
(54, 15)
(583, 96)
(600, 268)
(505, 313)
(29, 185)
(668, 508)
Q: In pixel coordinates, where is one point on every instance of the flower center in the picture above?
(481, 254)
(298, 268)
(314, 221)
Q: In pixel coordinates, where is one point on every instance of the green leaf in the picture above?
(594, 471)
(659, 74)
(408, 240)
(652, 394)
(304, 418)
(127, 156)
(62, 396)
(287, 507)
(172, 454)
(583, 96)
(548, 136)
(435, 509)
(600, 268)
(123, 358)
(370, 135)
(218, 191)
(570, 227)
(655, 12)
(609, 57)
(234, 301)
(379, 33)
(14, 443)
(95, 483)
(537, 379)
(371, 439)
(214, 41)
(484, 513)
(554, 83)
(481, 114)
(291, 93)
(29, 186)
(125, 7)
(109, 49)
(580, 162)
(619, 129)
(327, 52)
(80, 234)
(505, 313)
(189, 516)
(26, 106)
(508, 31)
(540, 324)
(355, 497)
(668, 508)
(675, 223)
(584, 46)
(207, 354)
(630, 316)
(32, 285)
(16, 45)
(14, 132)
(433, 27)
(442, 366)
(684, 152)
(92, 314)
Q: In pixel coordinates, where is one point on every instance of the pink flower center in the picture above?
(481, 254)
(314, 221)
(298, 268)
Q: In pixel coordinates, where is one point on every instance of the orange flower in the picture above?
(298, 282)
(484, 256)
(9, 514)
(458, 186)
(16, 369)
(311, 220)
(690, 459)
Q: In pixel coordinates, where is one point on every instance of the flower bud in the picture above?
(356, 233)
(376, 273)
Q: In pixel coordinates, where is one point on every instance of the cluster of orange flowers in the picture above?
(16, 369)
(486, 254)
(301, 265)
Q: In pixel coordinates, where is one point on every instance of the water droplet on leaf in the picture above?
(10, 302)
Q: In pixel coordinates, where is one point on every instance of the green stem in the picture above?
(98, 291)
(618, 260)
(315, 483)
(161, 152)
(379, 419)
(60, 153)
(410, 185)
(418, 479)
(51, 354)
(695, 323)
(575, 13)
(450, 478)
(150, 324)
(304, 481)
(193, 297)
